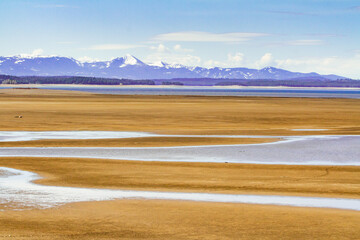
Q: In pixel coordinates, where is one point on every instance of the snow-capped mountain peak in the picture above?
(167, 65)
(157, 64)
(131, 60)
(127, 60)
(176, 65)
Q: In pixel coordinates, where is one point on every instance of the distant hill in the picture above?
(130, 67)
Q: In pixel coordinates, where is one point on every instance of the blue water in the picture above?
(211, 91)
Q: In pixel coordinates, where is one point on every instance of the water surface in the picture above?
(292, 150)
(213, 91)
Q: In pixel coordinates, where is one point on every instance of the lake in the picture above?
(212, 91)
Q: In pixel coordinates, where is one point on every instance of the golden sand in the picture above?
(325, 181)
(147, 219)
(138, 142)
(177, 114)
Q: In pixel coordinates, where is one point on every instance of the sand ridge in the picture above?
(138, 142)
(321, 181)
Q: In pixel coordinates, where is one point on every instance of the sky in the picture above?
(297, 35)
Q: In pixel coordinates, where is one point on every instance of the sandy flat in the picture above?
(19, 192)
(177, 114)
(321, 181)
(44, 110)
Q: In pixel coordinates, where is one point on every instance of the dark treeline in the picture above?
(302, 82)
(293, 83)
(5, 79)
(172, 83)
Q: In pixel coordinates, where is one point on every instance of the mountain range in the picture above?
(130, 67)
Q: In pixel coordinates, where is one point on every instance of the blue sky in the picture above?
(306, 35)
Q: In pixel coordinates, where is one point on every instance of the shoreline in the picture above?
(172, 87)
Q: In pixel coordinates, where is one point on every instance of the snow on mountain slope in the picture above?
(133, 68)
(127, 60)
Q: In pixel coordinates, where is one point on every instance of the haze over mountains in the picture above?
(130, 67)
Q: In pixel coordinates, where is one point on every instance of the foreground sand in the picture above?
(51, 111)
(147, 219)
(325, 181)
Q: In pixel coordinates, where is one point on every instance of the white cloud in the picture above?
(174, 58)
(35, 53)
(160, 48)
(309, 61)
(348, 67)
(114, 47)
(88, 59)
(207, 37)
(187, 59)
(179, 48)
(213, 63)
(174, 55)
(343, 66)
(264, 61)
(237, 58)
